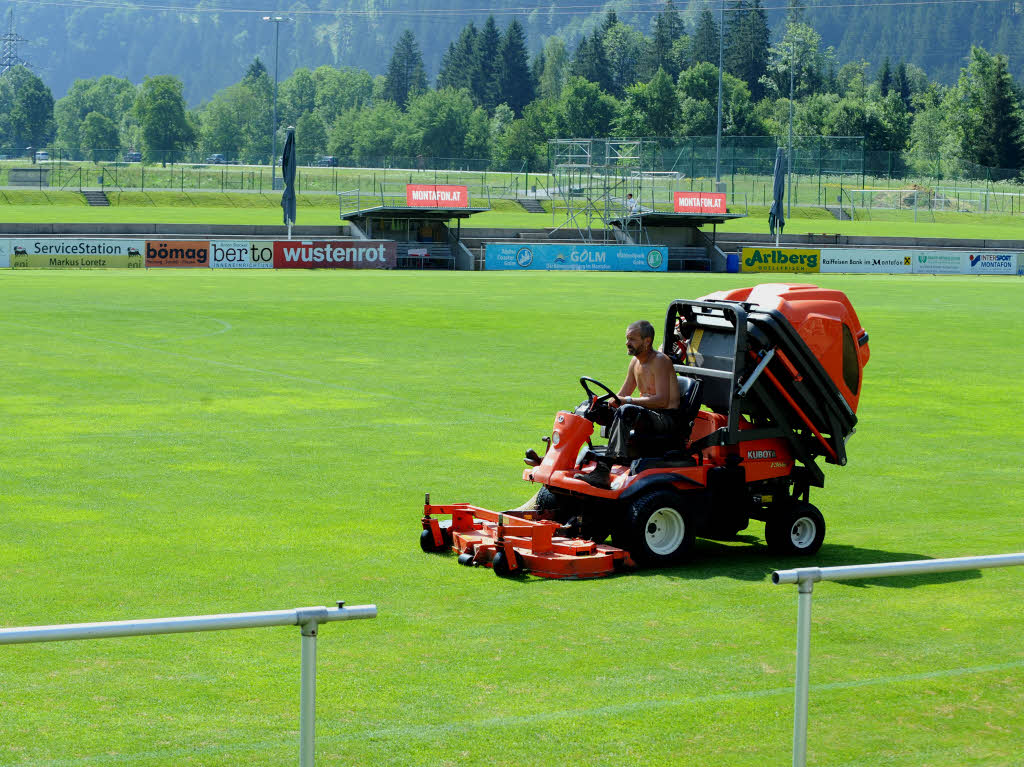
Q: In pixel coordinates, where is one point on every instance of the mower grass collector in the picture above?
(769, 381)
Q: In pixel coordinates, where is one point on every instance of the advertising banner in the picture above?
(937, 262)
(340, 254)
(241, 254)
(436, 196)
(698, 202)
(178, 253)
(866, 261)
(803, 260)
(576, 257)
(992, 263)
(73, 253)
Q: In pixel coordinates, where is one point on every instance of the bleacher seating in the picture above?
(692, 259)
(424, 255)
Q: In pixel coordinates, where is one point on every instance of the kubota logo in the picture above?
(760, 455)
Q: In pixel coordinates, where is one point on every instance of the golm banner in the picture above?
(576, 257)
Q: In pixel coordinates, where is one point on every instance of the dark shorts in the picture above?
(643, 422)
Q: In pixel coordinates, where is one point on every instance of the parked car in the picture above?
(42, 155)
(216, 159)
(327, 161)
(133, 156)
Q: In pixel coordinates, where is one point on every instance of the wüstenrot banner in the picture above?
(436, 196)
(698, 202)
(71, 253)
(353, 254)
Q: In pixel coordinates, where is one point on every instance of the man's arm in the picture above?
(663, 375)
(629, 385)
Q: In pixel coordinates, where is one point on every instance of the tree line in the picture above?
(493, 102)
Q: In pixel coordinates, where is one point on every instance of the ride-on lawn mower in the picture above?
(769, 380)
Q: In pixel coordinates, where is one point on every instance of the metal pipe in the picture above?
(307, 698)
(193, 623)
(887, 569)
(803, 673)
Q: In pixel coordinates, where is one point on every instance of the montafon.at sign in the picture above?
(436, 196)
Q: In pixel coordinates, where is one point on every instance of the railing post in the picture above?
(307, 705)
(803, 672)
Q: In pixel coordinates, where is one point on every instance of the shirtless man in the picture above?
(653, 412)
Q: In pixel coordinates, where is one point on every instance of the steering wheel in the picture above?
(598, 400)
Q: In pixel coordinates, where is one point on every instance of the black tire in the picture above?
(659, 530)
(797, 530)
(427, 542)
(501, 566)
(427, 539)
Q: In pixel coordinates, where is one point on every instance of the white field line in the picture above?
(423, 731)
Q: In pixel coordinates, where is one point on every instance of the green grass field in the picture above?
(190, 442)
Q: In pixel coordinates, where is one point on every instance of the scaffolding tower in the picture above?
(592, 178)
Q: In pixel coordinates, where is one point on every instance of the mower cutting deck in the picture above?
(769, 381)
(513, 542)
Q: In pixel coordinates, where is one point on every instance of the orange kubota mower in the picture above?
(769, 380)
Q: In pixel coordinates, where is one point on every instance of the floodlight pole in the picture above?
(276, 21)
(789, 154)
(718, 133)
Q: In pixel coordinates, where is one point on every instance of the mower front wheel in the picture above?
(660, 530)
(797, 531)
(502, 567)
(427, 539)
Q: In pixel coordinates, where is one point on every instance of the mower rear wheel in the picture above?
(799, 530)
(502, 568)
(660, 530)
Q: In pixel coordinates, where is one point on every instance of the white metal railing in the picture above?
(308, 618)
(806, 577)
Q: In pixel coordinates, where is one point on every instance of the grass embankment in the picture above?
(24, 206)
(189, 442)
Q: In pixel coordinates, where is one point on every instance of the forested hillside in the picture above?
(209, 47)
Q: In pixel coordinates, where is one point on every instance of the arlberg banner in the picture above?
(803, 260)
(698, 202)
(576, 257)
(70, 253)
(350, 254)
(241, 254)
(436, 196)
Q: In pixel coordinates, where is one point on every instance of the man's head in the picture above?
(639, 338)
(629, 196)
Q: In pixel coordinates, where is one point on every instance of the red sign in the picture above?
(699, 202)
(436, 196)
(191, 253)
(339, 254)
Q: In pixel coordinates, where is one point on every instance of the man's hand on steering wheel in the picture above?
(599, 404)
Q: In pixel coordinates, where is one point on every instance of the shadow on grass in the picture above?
(754, 562)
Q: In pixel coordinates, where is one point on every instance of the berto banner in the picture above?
(576, 257)
(436, 196)
(241, 254)
(71, 253)
(698, 202)
(347, 254)
(803, 260)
